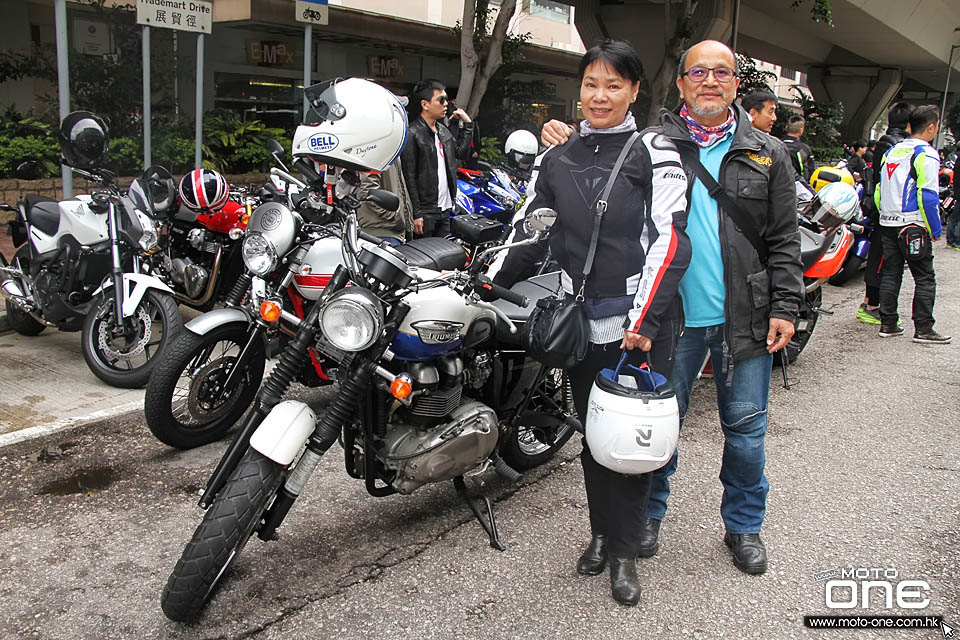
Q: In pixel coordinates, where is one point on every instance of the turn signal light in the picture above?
(269, 310)
(401, 387)
(245, 219)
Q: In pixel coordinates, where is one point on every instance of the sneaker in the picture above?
(890, 330)
(930, 336)
(867, 315)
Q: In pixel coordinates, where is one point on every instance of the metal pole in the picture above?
(946, 89)
(147, 96)
(736, 25)
(63, 82)
(307, 63)
(198, 151)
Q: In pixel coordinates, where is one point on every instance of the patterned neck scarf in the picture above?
(706, 136)
(629, 124)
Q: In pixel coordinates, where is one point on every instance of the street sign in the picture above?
(313, 11)
(183, 15)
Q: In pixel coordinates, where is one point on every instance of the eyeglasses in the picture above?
(442, 99)
(699, 74)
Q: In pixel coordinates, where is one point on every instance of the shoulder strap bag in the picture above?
(557, 334)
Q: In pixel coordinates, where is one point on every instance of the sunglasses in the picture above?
(699, 74)
(442, 99)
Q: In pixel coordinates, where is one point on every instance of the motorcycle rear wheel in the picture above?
(226, 527)
(849, 270)
(126, 365)
(540, 433)
(180, 406)
(21, 321)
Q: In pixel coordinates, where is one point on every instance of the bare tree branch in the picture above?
(469, 58)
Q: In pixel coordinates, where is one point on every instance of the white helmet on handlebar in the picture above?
(355, 124)
(521, 149)
(633, 419)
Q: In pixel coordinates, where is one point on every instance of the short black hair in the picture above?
(795, 124)
(619, 54)
(898, 116)
(756, 99)
(423, 90)
(922, 117)
(871, 144)
(859, 143)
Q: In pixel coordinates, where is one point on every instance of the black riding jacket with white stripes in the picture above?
(642, 249)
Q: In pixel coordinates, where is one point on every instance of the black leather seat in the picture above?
(534, 289)
(43, 213)
(438, 254)
(812, 246)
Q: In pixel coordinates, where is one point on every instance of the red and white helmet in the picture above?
(204, 190)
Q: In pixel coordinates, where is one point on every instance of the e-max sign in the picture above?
(855, 586)
(184, 15)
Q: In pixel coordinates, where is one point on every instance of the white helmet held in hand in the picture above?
(633, 420)
(356, 124)
(521, 149)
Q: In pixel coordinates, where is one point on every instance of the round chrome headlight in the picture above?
(352, 319)
(258, 254)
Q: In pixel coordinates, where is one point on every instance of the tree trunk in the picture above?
(469, 59)
(494, 57)
(667, 73)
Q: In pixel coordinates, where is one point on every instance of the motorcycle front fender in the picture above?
(207, 322)
(284, 431)
(135, 286)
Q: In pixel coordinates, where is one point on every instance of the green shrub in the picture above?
(175, 152)
(231, 144)
(43, 150)
(126, 156)
(490, 150)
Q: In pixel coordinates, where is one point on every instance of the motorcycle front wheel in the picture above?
(126, 361)
(540, 431)
(226, 527)
(183, 404)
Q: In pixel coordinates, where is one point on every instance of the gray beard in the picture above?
(709, 113)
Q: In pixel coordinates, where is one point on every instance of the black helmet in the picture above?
(84, 139)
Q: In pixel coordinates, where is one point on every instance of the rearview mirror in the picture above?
(539, 220)
(274, 147)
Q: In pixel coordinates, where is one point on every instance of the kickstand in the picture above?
(488, 522)
(783, 367)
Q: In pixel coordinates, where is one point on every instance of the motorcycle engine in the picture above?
(461, 443)
(191, 275)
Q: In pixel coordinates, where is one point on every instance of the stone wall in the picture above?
(11, 190)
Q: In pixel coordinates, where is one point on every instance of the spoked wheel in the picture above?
(806, 321)
(227, 526)
(541, 432)
(126, 358)
(186, 404)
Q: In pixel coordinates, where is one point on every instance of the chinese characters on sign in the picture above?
(185, 15)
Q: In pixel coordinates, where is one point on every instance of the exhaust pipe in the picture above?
(10, 290)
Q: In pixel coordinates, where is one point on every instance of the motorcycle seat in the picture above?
(438, 254)
(534, 289)
(812, 247)
(43, 213)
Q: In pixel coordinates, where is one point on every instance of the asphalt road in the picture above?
(863, 465)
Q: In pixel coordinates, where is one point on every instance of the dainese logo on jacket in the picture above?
(765, 161)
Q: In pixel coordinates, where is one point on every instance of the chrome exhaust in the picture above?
(10, 290)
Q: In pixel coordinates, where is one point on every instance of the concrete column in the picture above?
(864, 91)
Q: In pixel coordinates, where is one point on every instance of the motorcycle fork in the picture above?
(256, 335)
(116, 271)
(293, 357)
(338, 413)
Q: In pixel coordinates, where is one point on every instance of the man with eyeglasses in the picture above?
(429, 160)
(741, 291)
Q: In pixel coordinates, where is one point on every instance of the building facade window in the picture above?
(557, 11)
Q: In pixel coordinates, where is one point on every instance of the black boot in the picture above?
(749, 554)
(594, 559)
(624, 581)
(649, 538)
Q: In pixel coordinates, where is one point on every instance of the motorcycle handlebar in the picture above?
(488, 290)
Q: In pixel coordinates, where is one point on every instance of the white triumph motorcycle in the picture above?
(78, 261)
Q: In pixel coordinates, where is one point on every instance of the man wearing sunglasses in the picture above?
(430, 159)
(741, 291)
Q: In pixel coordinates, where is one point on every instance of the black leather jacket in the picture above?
(757, 174)
(420, 163)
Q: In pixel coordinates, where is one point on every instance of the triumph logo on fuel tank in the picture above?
(323, 142)
(437, 332)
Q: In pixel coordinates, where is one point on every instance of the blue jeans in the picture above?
(743, 418)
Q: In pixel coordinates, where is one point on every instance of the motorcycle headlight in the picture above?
(149, 238)
(352, 319)
(258, 254)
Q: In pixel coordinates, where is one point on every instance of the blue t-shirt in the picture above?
(701, 287)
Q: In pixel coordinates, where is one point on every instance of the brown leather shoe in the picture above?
(749, 554)
(594, 559)
(624, 582)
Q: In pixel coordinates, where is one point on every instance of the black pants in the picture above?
(873, 274)
(924, 292)
(436, 225)
(617, 503)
